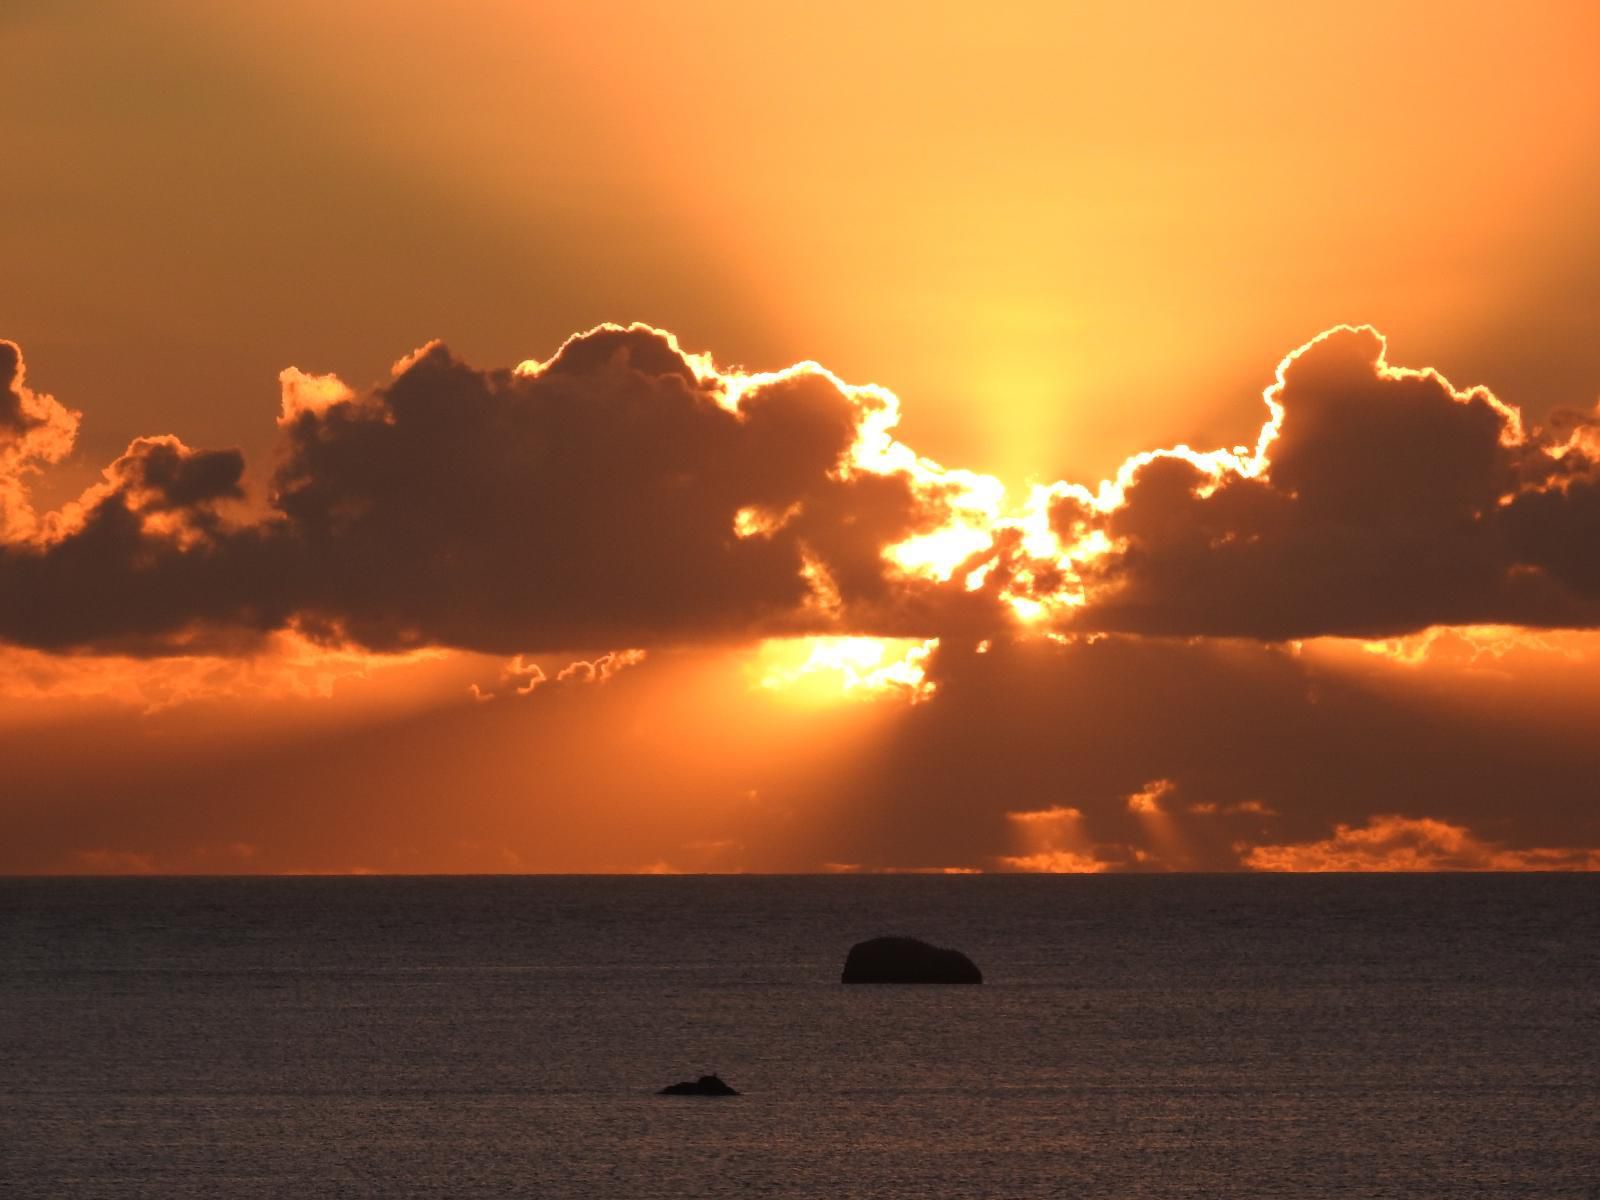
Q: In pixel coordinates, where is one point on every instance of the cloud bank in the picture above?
(625, 492)
(621, 493)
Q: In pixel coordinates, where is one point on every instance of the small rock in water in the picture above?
(907, 960)
(706, 1085)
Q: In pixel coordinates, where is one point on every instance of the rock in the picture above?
(907, 960)
(706, 1085)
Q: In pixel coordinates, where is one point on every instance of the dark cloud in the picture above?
(167, 476)
(593, 501)
(116, 586)
(1558, 530)
(1387, 502)
(596, 500)
(625, 493)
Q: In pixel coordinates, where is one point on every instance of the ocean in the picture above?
(1135, 1036)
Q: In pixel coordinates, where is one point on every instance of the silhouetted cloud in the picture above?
(626, 493)
(146, 554)
(593, 500)
(622, 493)
(1380, 500)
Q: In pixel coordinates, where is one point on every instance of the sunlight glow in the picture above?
(829, 668)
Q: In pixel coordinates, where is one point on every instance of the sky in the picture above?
(711, 437)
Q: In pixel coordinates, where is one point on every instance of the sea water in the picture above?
(1135, 1036)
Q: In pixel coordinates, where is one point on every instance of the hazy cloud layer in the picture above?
(1124, 753)
(1145, 753)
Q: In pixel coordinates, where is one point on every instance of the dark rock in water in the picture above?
(907, 960)
(706, 1085)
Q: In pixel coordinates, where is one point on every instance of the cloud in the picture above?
(1021, 759)
(1378, 500)
(600, 669)
(35, 430)
(1054, 862)
(1137, 753)
(591, 499)
(277, 666)
(1146, 801)
(146, 561)
(622, 492)
(1053, 843)
(626, 492)
(1396, 843)
(526, 677)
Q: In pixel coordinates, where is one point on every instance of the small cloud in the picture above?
(1252, 806)
(1398, 843)
(1243, 807)
(303, 393)
(1056, 815)
(599, 670)
(527, 675)
(1053, 841)
(839, 868)
(1147, 800)
(1054, 862)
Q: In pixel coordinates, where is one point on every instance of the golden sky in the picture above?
(309, 589)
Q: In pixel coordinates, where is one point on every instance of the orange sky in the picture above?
(1062, 235)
